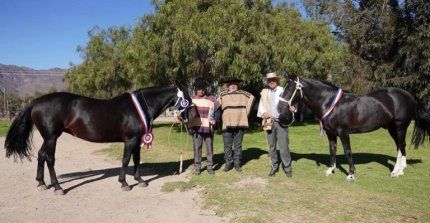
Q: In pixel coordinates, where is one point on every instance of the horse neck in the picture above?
(317, 95)
(157, 100)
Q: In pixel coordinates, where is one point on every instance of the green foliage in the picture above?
(389, 42)
(104, 72)
(4, 127)
(188, 39)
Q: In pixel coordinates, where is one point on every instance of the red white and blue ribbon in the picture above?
(147, 137)
(333, 104)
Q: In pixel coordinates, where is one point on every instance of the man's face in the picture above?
(272, 83)
(201, 91)
(233, 86)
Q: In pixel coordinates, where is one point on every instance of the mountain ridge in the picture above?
(24, 81)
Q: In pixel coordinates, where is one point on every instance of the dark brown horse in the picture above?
(341, 114)
(94, 120)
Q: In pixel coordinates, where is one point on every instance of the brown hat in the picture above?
(232, 80)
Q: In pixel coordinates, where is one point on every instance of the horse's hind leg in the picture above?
(399, 135)
(348, 153)
(50, 161)
(332, 139)
(136, 161)
(41, 158)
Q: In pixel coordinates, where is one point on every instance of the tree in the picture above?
(188, 39)
(389, 40)
(104, 72)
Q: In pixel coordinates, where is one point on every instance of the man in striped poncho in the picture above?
(236, 105)
(203, 117)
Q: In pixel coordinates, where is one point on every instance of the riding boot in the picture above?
(237, 166)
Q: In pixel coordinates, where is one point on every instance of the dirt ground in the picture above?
(93, 193)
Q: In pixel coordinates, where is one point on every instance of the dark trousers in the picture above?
(279, 136)
(233, 138)
(198, 139)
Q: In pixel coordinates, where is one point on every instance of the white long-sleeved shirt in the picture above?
(273, 96)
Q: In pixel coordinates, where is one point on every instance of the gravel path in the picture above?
(93, 193)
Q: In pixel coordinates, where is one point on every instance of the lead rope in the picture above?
(181, 146)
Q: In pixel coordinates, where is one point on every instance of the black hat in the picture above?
(231, 80)
(200, 83)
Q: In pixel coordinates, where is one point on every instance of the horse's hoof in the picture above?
(42, 187)
(329, 172)
(142, 184)
(126, 188)
(350, 178)
(59, 192)
(397, 174)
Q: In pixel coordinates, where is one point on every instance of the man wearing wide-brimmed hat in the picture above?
(204, 115)
(276, 134)
(236, 105)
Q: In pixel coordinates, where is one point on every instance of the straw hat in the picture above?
(271, 75)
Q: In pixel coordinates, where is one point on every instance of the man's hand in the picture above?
(179, 117)
(266, 115)
(293, 109)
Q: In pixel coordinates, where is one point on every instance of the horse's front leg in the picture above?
(129, 144)
(332, 140)
(348, 153)
(136, 160)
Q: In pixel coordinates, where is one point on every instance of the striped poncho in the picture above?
(236, 107)
(202, 113)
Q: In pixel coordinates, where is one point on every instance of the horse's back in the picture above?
(90, 119)
(397, 100)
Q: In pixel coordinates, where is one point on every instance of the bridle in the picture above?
(182, 103)
(299, 87)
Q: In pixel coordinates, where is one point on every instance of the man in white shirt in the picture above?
(276, 134)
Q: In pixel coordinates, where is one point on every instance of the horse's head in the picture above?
(183, 102)
(290, 95)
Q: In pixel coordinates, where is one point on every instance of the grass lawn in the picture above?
(4, 127)
(309, 196)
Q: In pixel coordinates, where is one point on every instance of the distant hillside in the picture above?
(24, 81)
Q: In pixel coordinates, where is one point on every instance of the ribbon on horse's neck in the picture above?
(335, 101)
(147, 136)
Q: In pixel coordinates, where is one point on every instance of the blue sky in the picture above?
(43, 34)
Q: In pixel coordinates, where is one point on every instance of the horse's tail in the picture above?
(422, 125)
(20, 134)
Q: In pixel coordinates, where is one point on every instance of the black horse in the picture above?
(95, 120)
(341, 114)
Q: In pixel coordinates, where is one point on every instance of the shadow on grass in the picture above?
(163, 169)
(358, 158)
(156, 170)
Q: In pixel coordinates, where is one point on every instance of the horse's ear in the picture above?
(292, 76)
(289, 75)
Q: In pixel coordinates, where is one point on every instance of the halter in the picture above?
(182, 104)
(299, 87)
